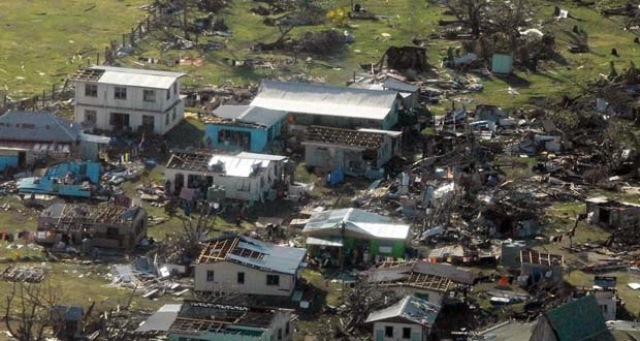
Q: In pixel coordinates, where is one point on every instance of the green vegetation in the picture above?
(42, 42)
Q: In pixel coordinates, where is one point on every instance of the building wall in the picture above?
(135, 106)
(417, 332)
(255, 281)
(259, 141)
(233, 186)
(392, 248)
(134, 100)
(327, 158)
(432, 296)
(8, 158)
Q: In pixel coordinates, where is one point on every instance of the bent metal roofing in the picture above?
(253, 253)
(357, 221)
(317, 99)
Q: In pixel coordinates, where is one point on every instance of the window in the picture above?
(166, 119)
(120, 93)
(388, 331)
(273, 280)
(168, 94)
(243, 185)
(149, 95)
(175, 88)
(279, 333)
(91, 90)
(604, 308)
(91, 116)
(406, 333)
(209, 275)
(287, 328)
(112, 232)
(240, 277)
(175, 114)
(148, 122)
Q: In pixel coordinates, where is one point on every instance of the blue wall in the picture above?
(8, 160)
(260, 138)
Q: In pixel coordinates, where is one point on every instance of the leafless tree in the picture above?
(28, 308)
(469, 12)
(362, 300)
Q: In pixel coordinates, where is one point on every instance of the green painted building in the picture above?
(359, 233)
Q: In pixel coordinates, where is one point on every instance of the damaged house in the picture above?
(244, 128)
(120, 99)
(411, 318)
(244, 176)
(110, 227)
(203, 321)
(315, 104)
(578, 320)
(26, 137)
(429, 281)
(359, 235)
(620, 216)
(248, 266)
(410, 93)
(360, 152)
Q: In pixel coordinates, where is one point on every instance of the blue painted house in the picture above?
(243, 128)
(27, 136)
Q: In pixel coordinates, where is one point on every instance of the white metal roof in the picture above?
(325, 100)
(246, 113)
(358, 221)
(142, 78)
(244, 164)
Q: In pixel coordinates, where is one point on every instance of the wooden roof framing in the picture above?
(430, 282)
(541, 258)
(88, 75)
(190, 161)
(246, 253)
(217, 251)
(345, 137)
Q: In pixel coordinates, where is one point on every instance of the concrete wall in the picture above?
(417, 332)
(255, 281)
(135, 106)
(259, 186)
(258, 139)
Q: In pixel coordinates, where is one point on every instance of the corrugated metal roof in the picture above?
(335, 242)
(446, 271)
(325, 100)
(37, 126)
(579, 320)
(358, 221)
(242, 165)
(254, 253)
(410, 308)
(161, 320)
(396, 85)
(250, 114)
(154, 79)
(277, 258)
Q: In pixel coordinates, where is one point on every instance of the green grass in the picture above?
(42, 41)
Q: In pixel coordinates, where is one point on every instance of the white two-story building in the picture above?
(120, 99)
